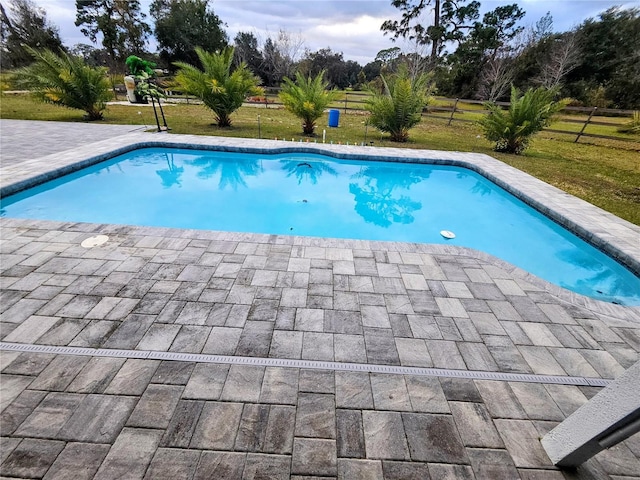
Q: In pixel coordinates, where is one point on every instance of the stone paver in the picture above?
(216, 293)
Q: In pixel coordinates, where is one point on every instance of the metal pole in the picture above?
(259, 133)
(585, 124)
(164, 120)
(153, 103)
(452, 112)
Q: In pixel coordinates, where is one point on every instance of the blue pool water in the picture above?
(305, 194)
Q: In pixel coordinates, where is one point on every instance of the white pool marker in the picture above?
(447, 234)
(94, 241)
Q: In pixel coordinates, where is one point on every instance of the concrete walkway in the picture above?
(196, 354)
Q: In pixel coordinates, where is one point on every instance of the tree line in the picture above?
(469, 56)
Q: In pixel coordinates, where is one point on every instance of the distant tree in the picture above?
(562, 57)
(120, 23)
(247, 51)
(495, 79)
(361, 80)
(220, 88)
(387, 56)
(338, 72)
(543, 28)
(512, 130)
(399, 106)
(449, 21)
(307, 98)
(280, 55)
(486, 41)
(26, 26)
(182, 25)
(372, 70)
(92, 56)
(331, 64)
(609, 54)
(351, 71)
(498, 28)
(271, 68)
(65, 80)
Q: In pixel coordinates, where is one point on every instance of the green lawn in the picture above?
(603, 172)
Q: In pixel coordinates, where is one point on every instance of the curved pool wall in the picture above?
(616, 237)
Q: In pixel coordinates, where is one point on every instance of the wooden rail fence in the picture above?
(355, 102)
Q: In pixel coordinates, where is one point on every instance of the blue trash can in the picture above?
(334, 118)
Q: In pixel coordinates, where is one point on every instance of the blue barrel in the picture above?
(334, 118)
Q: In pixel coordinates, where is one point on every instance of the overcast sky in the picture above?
(348, 26)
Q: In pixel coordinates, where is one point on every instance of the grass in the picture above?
(603, 172)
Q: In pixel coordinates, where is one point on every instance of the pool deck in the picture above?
(186, 354)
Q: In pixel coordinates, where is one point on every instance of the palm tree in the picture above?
(221, 89)
(307, 98)
(527, 115)
(399, 106)
(63, 79)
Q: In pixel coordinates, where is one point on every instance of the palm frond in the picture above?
(399, 107)
(221, 89)
(307, 98)
(512, 129)
(62, 79)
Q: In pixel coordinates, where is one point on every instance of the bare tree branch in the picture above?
(562, 59)
(496, 77)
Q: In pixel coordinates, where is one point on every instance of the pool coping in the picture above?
(616, 237)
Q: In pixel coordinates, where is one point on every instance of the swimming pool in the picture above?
(315, 195)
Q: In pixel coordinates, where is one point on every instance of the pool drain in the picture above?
(94, 241)
(447, 234)
(311, 364)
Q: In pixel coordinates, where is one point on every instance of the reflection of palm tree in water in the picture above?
(232, 173)
(481, 187)
(306, 171)
(375, 200)
(171, 175)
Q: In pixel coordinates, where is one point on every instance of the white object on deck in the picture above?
(94, 241)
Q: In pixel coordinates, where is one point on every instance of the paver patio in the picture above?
(154, 305)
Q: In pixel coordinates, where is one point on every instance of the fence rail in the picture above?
(356, 101)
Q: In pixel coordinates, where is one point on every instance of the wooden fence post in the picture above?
(452, 112)
(346, 96)
(585, 124)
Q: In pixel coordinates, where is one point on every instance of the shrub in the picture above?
(306, 98)
(399, 106)
(632, 126)
(527, 114)
(221, 89)
(63, 79)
